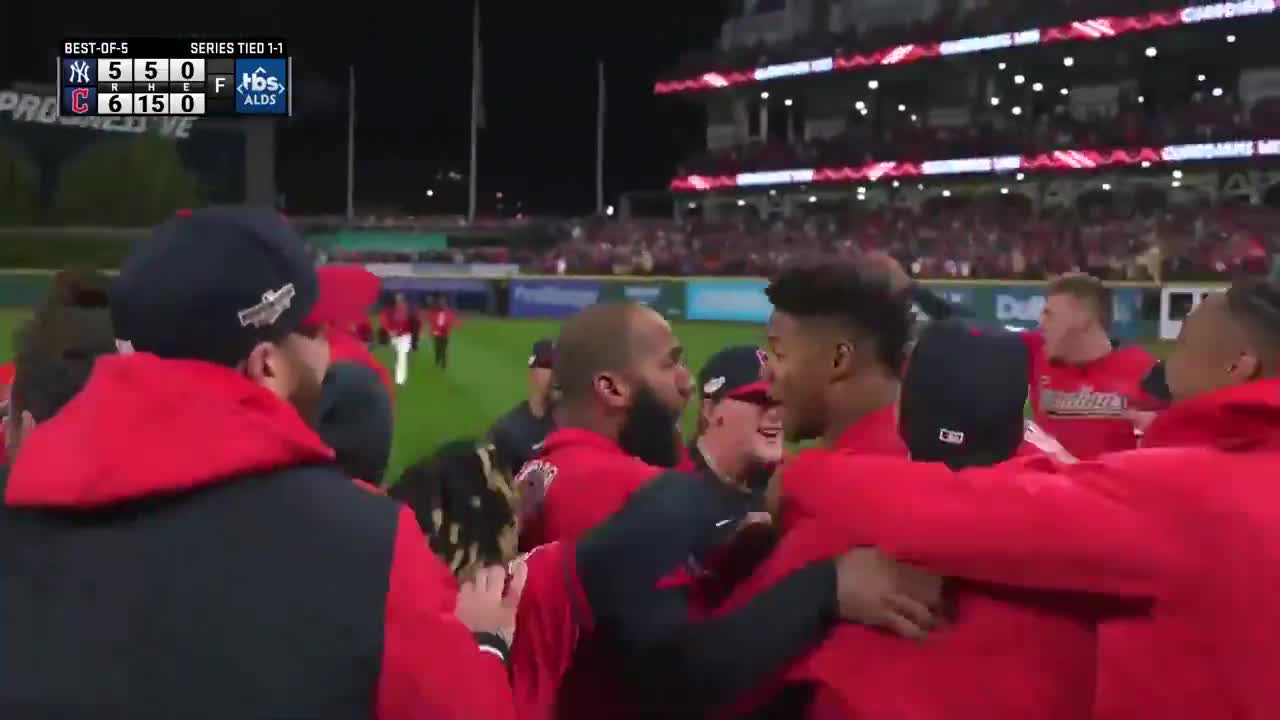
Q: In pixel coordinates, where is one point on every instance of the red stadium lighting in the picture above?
(1085, 30)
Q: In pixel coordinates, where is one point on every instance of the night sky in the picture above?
(413, 84)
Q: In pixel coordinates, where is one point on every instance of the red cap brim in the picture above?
(756, 392)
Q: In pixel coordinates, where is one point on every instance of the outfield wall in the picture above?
(1015, 304)
(1141, 312)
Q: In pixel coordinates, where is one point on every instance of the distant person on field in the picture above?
(441, 322)
(55, 351)
(519, 434)
(233, 570)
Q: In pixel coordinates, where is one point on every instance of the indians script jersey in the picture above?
(1086, 406)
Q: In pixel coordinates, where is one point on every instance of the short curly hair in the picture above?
(861, 298)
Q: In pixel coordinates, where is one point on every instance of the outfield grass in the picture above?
(488, 362)
(486, 376)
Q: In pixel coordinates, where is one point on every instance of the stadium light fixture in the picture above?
(1002, 65)
(1038, 87)
(864, 111)
(1146, 163)
(431, 193)
(1004, 191)
(1021, 176)
(915, 118)
(860, 105)
(693, 205)
(609, 211)
(946, 193)
(1231, 39)
(873, 84)
(902, 108)
(1016, 110)
(1176, 183)
(995, 101)
(1217, 92)
(813, 198)
(787, 102)
(1142, 99)
(1152, 52)
(896, 183)
(1064, 92)
(773, 191)
(764, 95)
(1177, 174)
(1200, 77)
(1068, 61)
(741, 202)
(1019, 79)
(1106, 186)
(920, 186)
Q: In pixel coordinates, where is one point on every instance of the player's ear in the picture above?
(612, 389)
(843, 359)
(1246, 367)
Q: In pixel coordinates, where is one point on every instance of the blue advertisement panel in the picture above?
(551, 298)
(1021, 307)
(430, 284)
(727, 300)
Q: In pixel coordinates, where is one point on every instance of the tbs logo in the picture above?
(261, 88)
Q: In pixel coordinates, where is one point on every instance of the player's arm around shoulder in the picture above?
(432, 664)
(1035, 523)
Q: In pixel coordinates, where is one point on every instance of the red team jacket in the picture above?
(442, 321)
(589, 479)
(1192, 521)
(552, 616)
(1084, 406)
(396, 321)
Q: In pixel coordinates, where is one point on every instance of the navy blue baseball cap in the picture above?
(735, 372)
(963, 397)
(212, 284)
(543, 354)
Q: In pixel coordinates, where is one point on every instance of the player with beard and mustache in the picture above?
(243, 570)
(623, 383)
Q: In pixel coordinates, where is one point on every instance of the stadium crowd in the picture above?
(934, 554)
(992, 237)
(906, 135)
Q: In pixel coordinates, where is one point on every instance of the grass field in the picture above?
(486, 376)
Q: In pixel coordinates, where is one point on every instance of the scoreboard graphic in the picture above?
(170, 76)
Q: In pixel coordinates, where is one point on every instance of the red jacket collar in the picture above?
(875, 433)
(1232, 418)
(564, 437)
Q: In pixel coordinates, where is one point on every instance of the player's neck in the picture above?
(585, 419)
(875, 395)
(1093, 346)
(537, 405)
(720, 462)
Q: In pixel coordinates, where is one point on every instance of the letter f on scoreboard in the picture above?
(79, 100)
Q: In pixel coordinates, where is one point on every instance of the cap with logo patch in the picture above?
(963, 397)
(735, 372)
(543, 355)
(213, 283)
